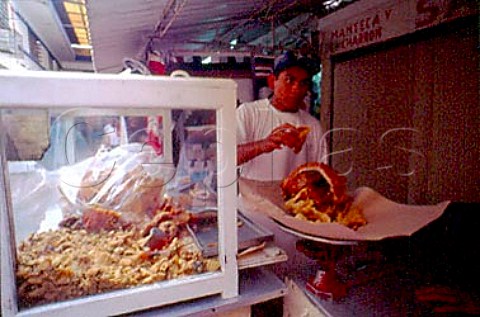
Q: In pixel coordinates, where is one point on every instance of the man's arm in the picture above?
(249, 151)
(286, 134)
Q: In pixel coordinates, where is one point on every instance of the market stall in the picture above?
(111, 225)
(120, 194)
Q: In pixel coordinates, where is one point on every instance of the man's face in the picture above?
(291, 87)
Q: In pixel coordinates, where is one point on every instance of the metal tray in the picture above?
(249, 235)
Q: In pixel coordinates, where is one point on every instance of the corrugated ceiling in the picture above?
(127, 29)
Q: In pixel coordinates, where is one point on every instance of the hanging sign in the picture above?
(368, 22)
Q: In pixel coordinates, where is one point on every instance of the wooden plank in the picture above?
(373, 117)
(454, 170)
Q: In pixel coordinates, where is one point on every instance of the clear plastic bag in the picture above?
(130, 180)
(34, 198)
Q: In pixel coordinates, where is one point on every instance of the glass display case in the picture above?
(106, 182)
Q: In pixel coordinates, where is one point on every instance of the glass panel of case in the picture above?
(116, 200)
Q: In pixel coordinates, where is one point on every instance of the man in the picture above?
(269, 144)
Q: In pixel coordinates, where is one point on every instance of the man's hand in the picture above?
(288, 135)
(283, 135)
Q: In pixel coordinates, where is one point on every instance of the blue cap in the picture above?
(290, 59)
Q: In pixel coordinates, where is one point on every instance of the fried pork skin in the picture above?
(316, 193)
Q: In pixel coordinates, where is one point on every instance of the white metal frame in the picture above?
(75, 90)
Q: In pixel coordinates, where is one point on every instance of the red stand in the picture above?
(325, 283)
(357, 263)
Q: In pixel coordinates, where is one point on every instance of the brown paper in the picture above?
(385, 218)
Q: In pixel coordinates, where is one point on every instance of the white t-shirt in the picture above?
(256, 120)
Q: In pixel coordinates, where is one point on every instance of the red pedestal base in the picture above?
(325, 285)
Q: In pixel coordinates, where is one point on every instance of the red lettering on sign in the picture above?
(361, 38)
(367, 22)
(388, 13)
(376, 20)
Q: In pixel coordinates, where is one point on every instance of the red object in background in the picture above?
(156, 63)
(153, 138)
